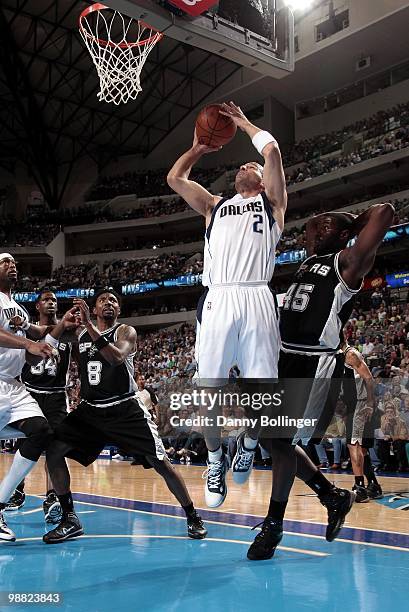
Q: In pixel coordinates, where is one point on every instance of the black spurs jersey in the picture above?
(101, 383)
(49, 376)
(316, 307)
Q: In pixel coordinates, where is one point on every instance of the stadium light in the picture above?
(296, 5)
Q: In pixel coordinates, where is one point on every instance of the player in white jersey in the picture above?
(18, 409)
(237, 314)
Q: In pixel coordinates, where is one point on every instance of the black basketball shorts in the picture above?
(53, 405)
(88, 429)
(309, 386)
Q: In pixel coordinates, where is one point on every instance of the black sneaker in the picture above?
(243, 461)
(52, 509)
(195, 526)
(361, 494)
(338, 503)
(70, 527)
(16, 501)
(374, 490)
(6, 534)
(266, 541)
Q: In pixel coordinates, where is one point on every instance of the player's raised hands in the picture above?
(230, 109)
(71, 319)
(81, 307)
(203, 148)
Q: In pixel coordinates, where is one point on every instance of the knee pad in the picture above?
(38, 436)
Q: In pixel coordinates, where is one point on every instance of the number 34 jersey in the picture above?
(316, 306)
(49, 376)
(101, 383)
(240, 241)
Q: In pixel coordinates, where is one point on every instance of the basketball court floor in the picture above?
(135, 553)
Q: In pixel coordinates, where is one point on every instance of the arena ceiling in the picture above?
(49, 112)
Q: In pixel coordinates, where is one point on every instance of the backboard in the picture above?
(273, 56)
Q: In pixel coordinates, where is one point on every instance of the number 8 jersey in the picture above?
(101, 383)
(316, 307)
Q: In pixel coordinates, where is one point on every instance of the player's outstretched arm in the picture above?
(35, 332)
(198, 198)
(267, 146)
(370, 228)
(12, 341)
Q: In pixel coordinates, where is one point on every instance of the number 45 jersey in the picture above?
(49, 376)
(316, 307)
(101, 383)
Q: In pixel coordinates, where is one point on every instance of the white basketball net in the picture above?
(119, 46)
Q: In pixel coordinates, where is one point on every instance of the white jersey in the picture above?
(240, 241)
(11, 360)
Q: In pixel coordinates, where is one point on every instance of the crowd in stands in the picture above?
(372, 127)
(116, 272)
(393, 141)
(28, 234)
(145, 184)
(133, 244)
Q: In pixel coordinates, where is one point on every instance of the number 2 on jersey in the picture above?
(259, 221)
(297, 297)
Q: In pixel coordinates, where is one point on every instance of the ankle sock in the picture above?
(319, 484)
(67, 503)
(276, 510)
(215, 455)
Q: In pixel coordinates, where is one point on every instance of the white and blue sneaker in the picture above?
(216, 488)
(242, 461)
(6, 534)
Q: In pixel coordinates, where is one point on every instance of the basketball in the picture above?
(214, 129)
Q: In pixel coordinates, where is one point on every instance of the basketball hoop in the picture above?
(119, 46)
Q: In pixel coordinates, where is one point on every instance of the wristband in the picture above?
(261, 139)
(51, 340)
(101, 343)
(25, 325)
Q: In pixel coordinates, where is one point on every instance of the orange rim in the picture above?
(155, 37)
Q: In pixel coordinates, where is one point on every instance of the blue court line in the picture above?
(367, 536)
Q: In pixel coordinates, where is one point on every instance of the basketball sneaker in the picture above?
(70, 527)
(361, 494)
(195, 526)
(338, 503)
(6, 534)
(242, 461)
(16, 501)
(52, 509)
(266, 541)
(216, 488)
(374, 490)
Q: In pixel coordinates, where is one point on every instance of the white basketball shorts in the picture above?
(238, 325)
(16, 403)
